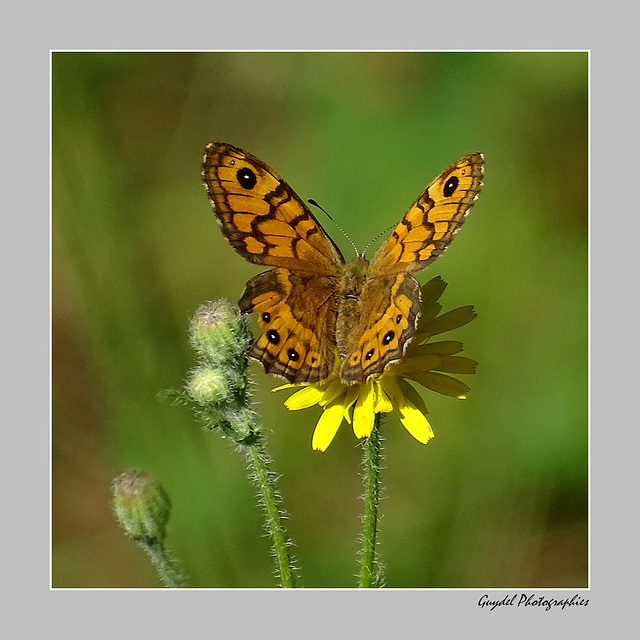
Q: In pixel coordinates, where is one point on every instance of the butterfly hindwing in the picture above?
(390, 307)
(297, 316)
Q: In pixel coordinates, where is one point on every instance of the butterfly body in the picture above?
(316, 310)
(350, 289)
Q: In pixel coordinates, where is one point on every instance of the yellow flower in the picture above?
(424, 362)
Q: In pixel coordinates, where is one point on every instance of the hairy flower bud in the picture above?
(219, 333)
(209, 386)
(142, 505)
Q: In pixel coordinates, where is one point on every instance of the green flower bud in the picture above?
(142, 506)
(219, 333)
(209, 386)
(242, 424)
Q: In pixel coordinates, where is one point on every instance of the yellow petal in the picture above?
(332, 392)
(412, 396)
(433, 289)
(363, 413)
(392, 390)
(350, 398)
(327, 426)
(430, 308)
(289, 385)
(382, 402)
(415, 422)
(303, 399)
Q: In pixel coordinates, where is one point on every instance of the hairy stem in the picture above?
(264, 478)
(164, 563)
(369, 574)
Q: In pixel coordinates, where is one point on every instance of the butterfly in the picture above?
(316, 311)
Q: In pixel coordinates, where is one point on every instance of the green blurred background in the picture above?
(500, 497)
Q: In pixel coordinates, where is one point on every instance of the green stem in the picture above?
(264, 478)
(218, 386)
(165, 565)
(369, 574)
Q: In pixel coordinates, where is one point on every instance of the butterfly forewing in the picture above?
(263, 218)
(428, 227)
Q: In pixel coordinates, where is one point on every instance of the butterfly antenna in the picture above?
(382, 233)
(346, 235)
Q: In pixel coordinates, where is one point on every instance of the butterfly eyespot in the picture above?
(273, 336)
(293, 354)
(369, 354)
(266, 316)
(398, 318)
(246, 178)
(388, 337)
(450, 187)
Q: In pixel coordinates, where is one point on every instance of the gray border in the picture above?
(320, 26)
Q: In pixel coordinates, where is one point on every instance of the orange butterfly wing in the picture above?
(262, 217)
(428, 227)
(390, 308)
(297, 314)
(267, 223)
(391, 296)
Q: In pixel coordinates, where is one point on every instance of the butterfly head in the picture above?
(356, 272)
